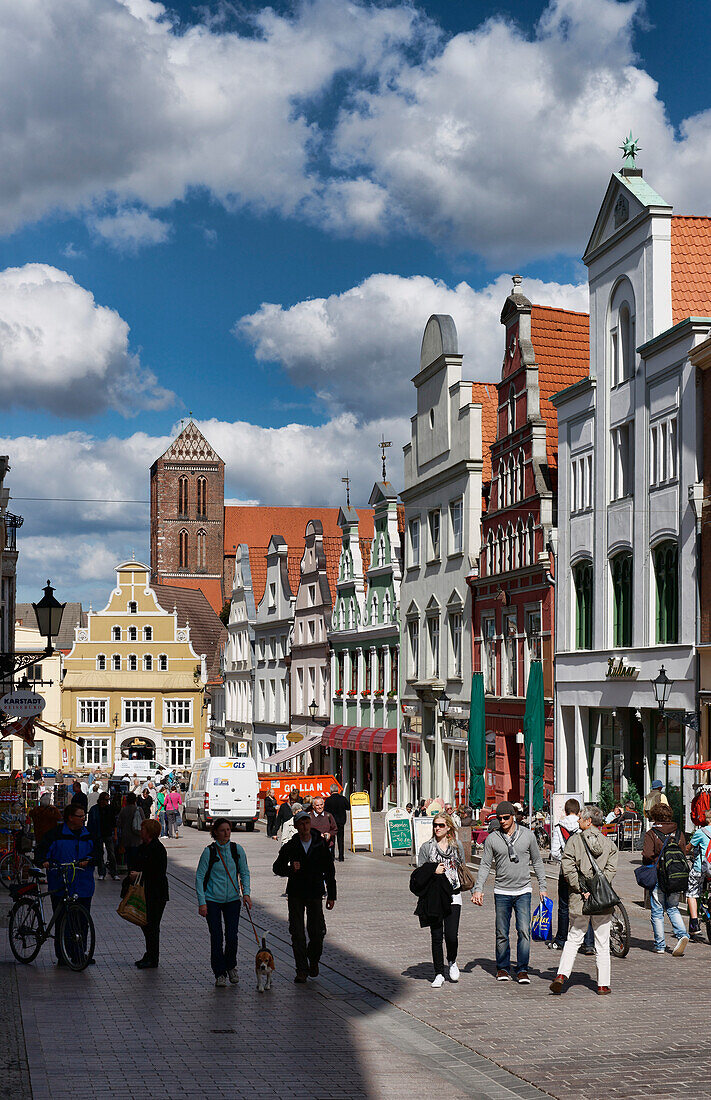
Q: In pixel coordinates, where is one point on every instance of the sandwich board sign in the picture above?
(361, 828)
(398, 833)
(421, 831)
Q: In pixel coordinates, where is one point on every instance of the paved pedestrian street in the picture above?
(369, 1026)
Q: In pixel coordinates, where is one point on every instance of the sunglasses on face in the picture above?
(505, 817)
(440, 824)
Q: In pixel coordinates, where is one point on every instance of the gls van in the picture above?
(222, 786)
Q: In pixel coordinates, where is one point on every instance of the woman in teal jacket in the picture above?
(220, 873)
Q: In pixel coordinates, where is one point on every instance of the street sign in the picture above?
(22, 704)
(398, 832)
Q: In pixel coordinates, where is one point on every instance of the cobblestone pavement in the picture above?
(370, 1025)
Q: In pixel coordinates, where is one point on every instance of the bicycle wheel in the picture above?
(620, 932)
(76, 936)
(14, 867)
(26, 930)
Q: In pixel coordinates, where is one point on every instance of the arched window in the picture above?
(621, 571)
(201, 549)
(386, 607)
(132, 663)
(115, 633)
(148, 634)
(490, 566)
(621, 333)
(147, 662)
(381, 551)
(512, 409)
(374, 611)
(509, 548)
(512, 481)
(101, 662)
(182, 496)
(530, 535)
(132, 634)
(502, 478)
(666, 576)
(202, 496)
(520, 476)
(624, 328)
(583, 581)
(183, 550)
(500, 551)
(520, 539)
(132, 607)
(116, 662)
(163, 663)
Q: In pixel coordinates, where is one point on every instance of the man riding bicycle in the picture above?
(70, 842)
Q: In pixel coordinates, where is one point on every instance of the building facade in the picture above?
(133, 683)
(360, 744)
(272, 628)
(442, 496)
(238, 661)
(513, 596)
(310, 667)
(629, 468)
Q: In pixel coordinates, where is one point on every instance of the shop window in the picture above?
(5, 757)
(621, 569)
(605, 754)
(583, 582)
(666, 574)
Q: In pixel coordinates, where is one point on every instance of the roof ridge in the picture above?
(562, 309)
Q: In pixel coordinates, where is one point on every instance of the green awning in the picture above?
(534, 725)
(477, 742)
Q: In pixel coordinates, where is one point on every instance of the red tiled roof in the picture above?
(255, 525)
(690, 267)
(207, 631)
(561, 342)
(211, 588)
(486, 395)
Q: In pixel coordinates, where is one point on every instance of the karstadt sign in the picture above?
(22, 704)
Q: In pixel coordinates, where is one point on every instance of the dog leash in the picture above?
(240, 891)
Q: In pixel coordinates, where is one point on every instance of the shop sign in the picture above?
(618, 670)
(410, 710)
(205, 746)
(242, 747)
(398, 832)
(22, 704)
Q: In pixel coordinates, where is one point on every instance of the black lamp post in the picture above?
(662, 689)
(313, 710)
(48, 613)
(443, 704)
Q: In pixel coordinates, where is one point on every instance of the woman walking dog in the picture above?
(221, 865)
(445, 852)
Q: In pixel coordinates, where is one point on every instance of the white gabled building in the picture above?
(272, 627)
(238, 660)
(629, 464)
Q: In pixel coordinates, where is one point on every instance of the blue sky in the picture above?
(249, 214)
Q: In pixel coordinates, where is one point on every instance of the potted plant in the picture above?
(339, 692)
(379, 693)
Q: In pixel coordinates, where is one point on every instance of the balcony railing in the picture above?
(12, 523)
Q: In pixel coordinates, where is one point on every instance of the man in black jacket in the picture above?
(306, 864)
(337, 806)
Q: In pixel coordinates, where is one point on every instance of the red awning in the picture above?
(384, 740)
(352, 736)
(329, 736)
(339, 735)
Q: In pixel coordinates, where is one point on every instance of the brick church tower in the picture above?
(188, 515)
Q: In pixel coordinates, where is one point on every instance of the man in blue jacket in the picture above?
(70, 842)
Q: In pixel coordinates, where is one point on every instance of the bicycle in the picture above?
(14, 867)
(28, 929)
(704, 904)
(620, 932)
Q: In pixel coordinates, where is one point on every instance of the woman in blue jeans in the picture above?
(663, 825)
(221, 872)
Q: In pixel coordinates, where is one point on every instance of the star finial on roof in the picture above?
(630, 149)
(347, 482)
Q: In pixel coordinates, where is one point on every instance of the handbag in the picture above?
(602, 897)
(133, 906)
(467, 881)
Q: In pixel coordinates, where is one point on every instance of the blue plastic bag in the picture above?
(541, 925)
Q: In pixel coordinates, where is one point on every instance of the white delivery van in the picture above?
(222, 786)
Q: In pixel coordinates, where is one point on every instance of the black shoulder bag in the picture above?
(602, 897)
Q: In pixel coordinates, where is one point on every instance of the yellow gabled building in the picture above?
(134, 685)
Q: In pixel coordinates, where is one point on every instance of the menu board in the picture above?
(398, 832)
(361, 827)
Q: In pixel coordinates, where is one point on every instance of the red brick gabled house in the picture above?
(513, 596)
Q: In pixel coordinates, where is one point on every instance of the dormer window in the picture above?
(132, 607)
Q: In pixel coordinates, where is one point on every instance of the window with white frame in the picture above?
(148, 634)
(433, 638)
(520, 475)
(132, 634)
(381, 551)
(510, 670)
(455, 524)
(116, 662)
(272, 595)
(115, 633)
(92, 712)
(621, 460)
(663, 450)
(415, 541)
(312, 595)
(533, 637)
(300, 691)
(147, 662)
(100, 662)
(455, 644)
(490, 554)
(138, 711)
(177, 712)
(180, 751)
(433, 526)
(163, 662)
(622, 347)
(95, 750)
(272, 649)
(413, 637)
(581, 487)
(488, 647)
(132, 662)
(132, 607)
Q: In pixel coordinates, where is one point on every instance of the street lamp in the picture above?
(313, 710)
(443, 704)
(662, 689)
(48, 613)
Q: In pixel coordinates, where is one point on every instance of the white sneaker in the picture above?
(453, 972)
(233, 976)
(681, 946)
(221, 982)
(438, 982)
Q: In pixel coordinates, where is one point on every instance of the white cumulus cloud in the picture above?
(358, 350)
(128, 229)
(62, 351)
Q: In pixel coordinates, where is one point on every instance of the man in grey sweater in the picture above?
(512, 849)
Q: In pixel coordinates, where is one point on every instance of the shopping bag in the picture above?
(133, 906)
(541, 925)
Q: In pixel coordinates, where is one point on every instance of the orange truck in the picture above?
(279, 784)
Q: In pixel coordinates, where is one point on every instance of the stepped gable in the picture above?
(690, 267)
(190, 446)
(561, 343)
(207, 631)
